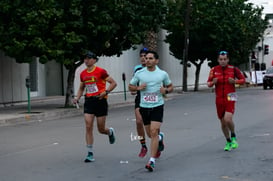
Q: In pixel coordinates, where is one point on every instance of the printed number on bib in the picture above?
(150, 97)
(91, 88)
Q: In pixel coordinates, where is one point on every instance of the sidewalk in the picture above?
(52, 107)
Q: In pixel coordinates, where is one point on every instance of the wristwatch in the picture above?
(107, 92)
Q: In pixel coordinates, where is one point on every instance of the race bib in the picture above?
(232, 96)
(150, 97)
(91, 88)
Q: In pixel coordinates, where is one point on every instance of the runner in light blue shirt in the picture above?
(154, 80)
(153, 83)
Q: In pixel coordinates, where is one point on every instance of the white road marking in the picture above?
(260, 135)
(28, 150)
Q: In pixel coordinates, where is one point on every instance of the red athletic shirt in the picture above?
(94, 81)
(223, 87)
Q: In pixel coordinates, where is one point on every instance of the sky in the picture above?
(267, 4)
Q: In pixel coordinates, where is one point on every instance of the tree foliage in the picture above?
(63, 30)
(231, 25)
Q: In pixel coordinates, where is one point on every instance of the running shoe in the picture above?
(143, 152)
(228, 146)
(158, 154)
(150, 166)
(112, 136)
(89, 158)
(160, 143)
(234, 143)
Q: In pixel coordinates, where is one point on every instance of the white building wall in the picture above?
(269, 58)
(12, 74)
(41, 80)
(172, 65)
(267, 40)
(12, 80)
(168, 62)
(126, 62)
(54, 78)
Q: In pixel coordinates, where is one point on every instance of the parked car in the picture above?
(268, 78)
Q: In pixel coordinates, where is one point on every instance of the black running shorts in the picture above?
(152, 114)
(96, 106)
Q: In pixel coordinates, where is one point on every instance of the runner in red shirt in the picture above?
(224, 77)
(139, 121)
(93, 84)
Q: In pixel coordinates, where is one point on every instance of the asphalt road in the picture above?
(54, 150)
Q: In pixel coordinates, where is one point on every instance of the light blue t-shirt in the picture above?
(151, 96)
(138, 67)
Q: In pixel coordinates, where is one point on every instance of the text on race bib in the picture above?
(91, 88)
(150, 97)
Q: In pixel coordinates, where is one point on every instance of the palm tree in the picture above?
(150, 40)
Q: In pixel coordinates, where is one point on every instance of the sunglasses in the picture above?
(223, 53)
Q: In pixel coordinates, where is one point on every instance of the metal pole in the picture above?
(28, 93)
(186, 47)
(124, 90)
(250, 68)
(28, 98)
(124, 85)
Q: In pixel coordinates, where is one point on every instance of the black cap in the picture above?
(90, 54)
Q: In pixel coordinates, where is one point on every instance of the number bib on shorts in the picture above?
(91, 88)
(150, 98)
(232, 96)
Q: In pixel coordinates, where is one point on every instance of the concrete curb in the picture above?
(41, 116)
(15, 115)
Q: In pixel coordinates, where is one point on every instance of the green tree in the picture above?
(63, 30)
(232, 25)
